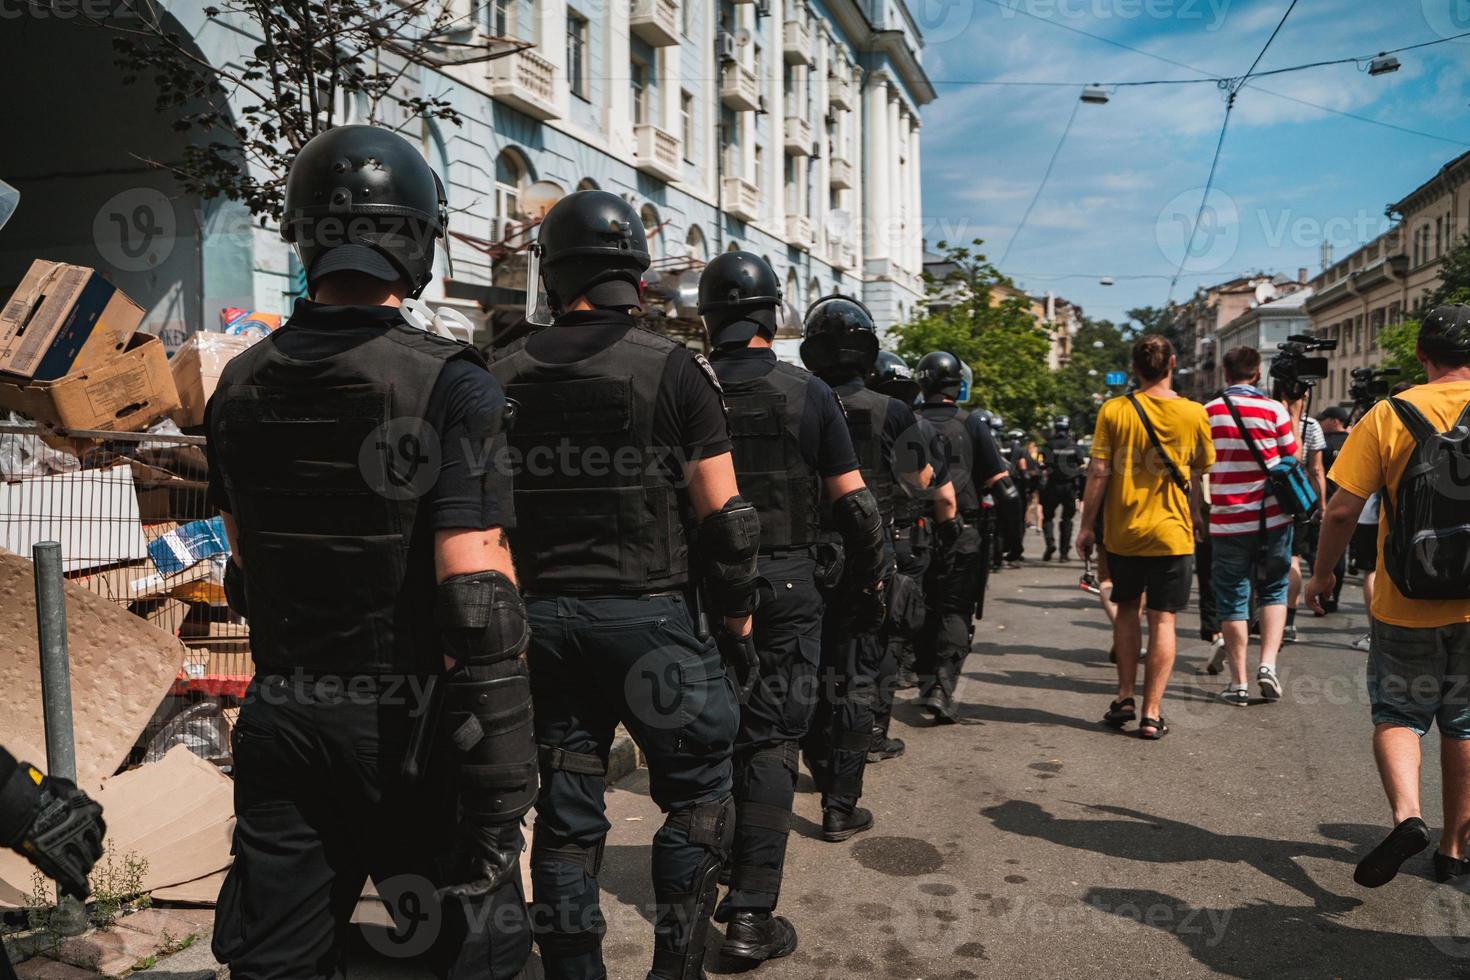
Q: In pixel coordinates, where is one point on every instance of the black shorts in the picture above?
(1165, 579)
(1364, 547)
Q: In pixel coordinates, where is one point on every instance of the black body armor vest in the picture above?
(866, 411)
(950, 421)
(765, 416)
(597, 512)
(324, 462)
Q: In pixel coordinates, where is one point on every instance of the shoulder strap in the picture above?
(1464, 419)
(1245, 434)
(1414, 419)
(1153, 437)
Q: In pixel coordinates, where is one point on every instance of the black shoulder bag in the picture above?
(1153, 437)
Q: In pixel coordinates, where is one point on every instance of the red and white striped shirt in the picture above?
(1237, 484)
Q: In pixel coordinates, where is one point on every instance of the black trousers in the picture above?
(788, 639)
(596, 662)
(952, 588)
(898, 647)
(319, 807)
(1053, 497)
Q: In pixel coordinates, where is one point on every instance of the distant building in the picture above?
(1267, 325)
(1057, 316)
(1202, 319)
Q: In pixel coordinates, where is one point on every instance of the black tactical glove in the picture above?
(870, 607)
(483, 859)
(63, 835)
(946, 533)
(741, 661)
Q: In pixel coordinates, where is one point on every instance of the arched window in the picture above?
(587, 184)
(511, 176)
(648, 214)
(813, 291)
(733, 247)
(697, 247)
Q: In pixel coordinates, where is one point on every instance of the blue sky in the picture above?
(1129, 178)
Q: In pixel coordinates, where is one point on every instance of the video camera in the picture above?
(1293, 370)
(1369, 385)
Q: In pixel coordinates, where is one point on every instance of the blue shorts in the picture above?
(1421, 675)
(1238, 557)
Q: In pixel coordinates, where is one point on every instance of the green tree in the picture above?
(1398, 342)
(1152, 319)
(1454, 278)
(1099, 346)
(977, 315)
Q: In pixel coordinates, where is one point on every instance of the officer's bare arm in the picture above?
(464, 551)
(843, 484)
(712, 486)
(945, 504)
(921, 478)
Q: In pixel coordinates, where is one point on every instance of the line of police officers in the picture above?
(738, 561)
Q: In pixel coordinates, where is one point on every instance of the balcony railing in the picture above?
(839, 173)
(799, 232)
(657, 153)
(740, 198)
(524, 81)
(656, 21)
(739, 88)
(840, 93)
(796, 43)
(798, 136)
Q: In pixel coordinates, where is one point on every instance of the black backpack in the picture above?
(1427, 550)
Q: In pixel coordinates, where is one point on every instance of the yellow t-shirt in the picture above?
(1145, 513)
(1373, 457)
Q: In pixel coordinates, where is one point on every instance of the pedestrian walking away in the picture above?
(637, 428)
(1414, 448)
(387, 730)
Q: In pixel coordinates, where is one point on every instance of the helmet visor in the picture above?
(538, 307)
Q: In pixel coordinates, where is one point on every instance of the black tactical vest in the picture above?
(910, 504)
(597, 512)
(866, 411)
(324, 462)
(765, 416)
(1063, 459)
(950, 421)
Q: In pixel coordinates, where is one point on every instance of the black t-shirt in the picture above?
(826, 445)
(465, 408)
(689, 416)
(902, 441)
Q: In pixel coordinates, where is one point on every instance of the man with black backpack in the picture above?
(1416, 447)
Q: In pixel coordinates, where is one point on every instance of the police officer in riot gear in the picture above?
(625, 499)
(840, 346)
(1063, 460)
(913, 546)
(792, 450)
(387, 731)
(956, 585)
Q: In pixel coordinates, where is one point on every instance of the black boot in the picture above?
(839, 826)
(758, 936)
(882, 747)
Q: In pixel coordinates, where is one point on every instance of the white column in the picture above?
(620, 100)
(878, 160)
(916, 210)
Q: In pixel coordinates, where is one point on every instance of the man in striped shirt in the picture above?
(1250, 534)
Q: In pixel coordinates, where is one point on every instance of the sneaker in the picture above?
(1288, 635)
(1237, 696)
(1270, 683)
(1217, 658)
(1364, 642)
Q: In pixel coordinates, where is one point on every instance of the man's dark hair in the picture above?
(1241, 364)
(1444, 335)
(1151, 354)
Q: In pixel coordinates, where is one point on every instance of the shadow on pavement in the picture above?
(1172, 841)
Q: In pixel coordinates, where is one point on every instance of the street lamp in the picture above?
(1383, 65)
(1105, 281)
(1098, 344)
(1097, 95)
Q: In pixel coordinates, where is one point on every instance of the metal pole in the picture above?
(61, 750)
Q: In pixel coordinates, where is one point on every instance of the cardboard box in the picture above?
(93, 513)
(196, 368)
(62, 318)
(128, 392)
(188, 545)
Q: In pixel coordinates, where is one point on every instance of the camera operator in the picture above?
(1334, 421)
(1304, 533)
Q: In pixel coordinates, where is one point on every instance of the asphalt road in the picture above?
(1031, 841)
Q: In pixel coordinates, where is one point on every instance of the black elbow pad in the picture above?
(729, 543)
(487, 695)
(858, 520)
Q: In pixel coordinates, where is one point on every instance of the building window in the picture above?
(653, 229)
(688, 12)
(497, 18)
(638, 78)
(577, 54)
(760, 168)
(686, 124)
(730, 140)
(788, 84)
(792, 190)
(695, 241)
(1438, 236)
(510, 177)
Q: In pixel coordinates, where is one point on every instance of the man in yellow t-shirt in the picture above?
(1149, 499)
(1419, 657)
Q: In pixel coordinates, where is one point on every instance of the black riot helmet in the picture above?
(940, 373)
(591, 244)
(739, 295)
(893, 377)
(363, 199)
(839, 339)
(1061, 425)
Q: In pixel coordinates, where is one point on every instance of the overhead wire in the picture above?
(1046, 175)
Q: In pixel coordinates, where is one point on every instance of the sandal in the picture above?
(1120, 713)
(1159, 728)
